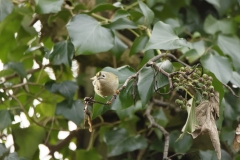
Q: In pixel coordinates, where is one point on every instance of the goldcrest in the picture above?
(105, 83)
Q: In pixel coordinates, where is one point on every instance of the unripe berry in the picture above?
(204, 87)
(211, 89)
(205, 94)
(175, 84)
(205, 76)
(200, 79)
(211, 94)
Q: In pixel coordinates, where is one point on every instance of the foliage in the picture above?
(174, 60)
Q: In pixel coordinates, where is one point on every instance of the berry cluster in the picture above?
(192, 78)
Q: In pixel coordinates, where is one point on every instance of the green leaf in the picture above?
(145, 84)
(135, 15)
(88, 36)
(13, 156)
(26, 140)
(5, 119)
(163, 37)
(211, 155)
(229, 111)
(235, 79)
(138, 44)
(48, 6)
(66, 88)
(8, 27)
(46, 109)
(3, 150)
(160, 117)
(6, 8)
(219, 66)
(91, 154)
(227, 135)
(195, 53)
(99, 109)
(147, 12)
(121, 23)
(120, 141)
(180, 146)
(62, 53)
(191, 122)
(103, 7)
(17, 67)
(230, 45)
(118, 48)
(73, 110)
(147, 56)
(129, 113)
(215, 3)
(17, 53)
(212, 25)
(162, 80)
(124, 99)
(120, 14)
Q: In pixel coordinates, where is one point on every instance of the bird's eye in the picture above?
(103, 75)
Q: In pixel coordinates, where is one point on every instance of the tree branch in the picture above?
(61, 144)
(155, 125)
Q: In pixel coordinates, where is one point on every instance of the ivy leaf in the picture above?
(119, 47)
(103, 7)
(160, 116)
(66, 88)
(71, 110)
(120, 141)
(147, 12)
(219, 66)
(195, 53)
(235, 79)
(62, 53)
(88, 36)
(121, 23)
(88, 154)
(6, 8)
(21, 138)
(145, 84)
(48, 6)
(230, 45)
(124, 99)
(211, 155)
(17, 67)
(5, 119)
(3, 150)
(182, 145)
(212, 25)
(138, 44)
(191, 122)
(14, 156)
(215, 3)
(120, 14)
(163, 37)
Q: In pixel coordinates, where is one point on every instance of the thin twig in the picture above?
(28, 72)
(163, 104)
(230, 89)
(155, 125)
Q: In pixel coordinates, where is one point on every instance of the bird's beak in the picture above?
(93, 78)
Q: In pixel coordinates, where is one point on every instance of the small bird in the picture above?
(105, 84)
